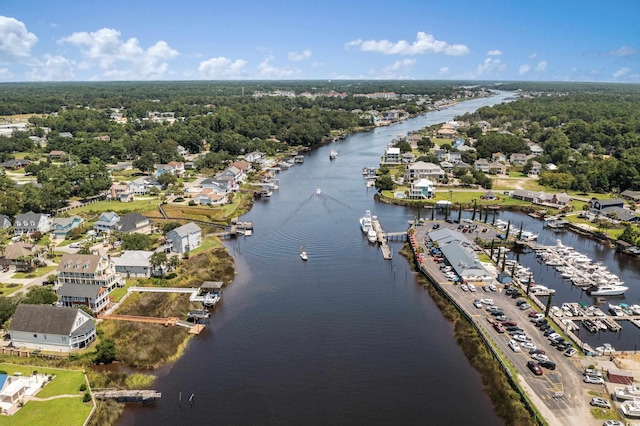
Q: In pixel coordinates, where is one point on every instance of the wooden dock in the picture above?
(382, 239)
(127, 395)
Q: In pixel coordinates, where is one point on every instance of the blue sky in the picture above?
(540, 40)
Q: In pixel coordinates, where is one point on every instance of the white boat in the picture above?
(540, 290)
(333, 154)
(631, 409)
(372, 236)
(607, 290)
(365, 222)
(616, 310)
(303, 255)
(605, 349)
(318, 191)
(211, 299)
(624, 393)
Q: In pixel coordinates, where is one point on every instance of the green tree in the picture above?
(40, 296)
(136, 242)
(384, 183)
(105, 351)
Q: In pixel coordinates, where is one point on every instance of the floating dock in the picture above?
(382, 239)
(128, 395)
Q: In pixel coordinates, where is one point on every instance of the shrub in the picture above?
(83, 387)
(86, 397)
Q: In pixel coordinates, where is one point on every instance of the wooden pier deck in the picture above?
(382, 239)
(127, 395)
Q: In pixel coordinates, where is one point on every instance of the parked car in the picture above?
(550, 365)
(594, 380)
(486, 288)
(520, 302)
(499, 328)
(540, 357)
(509, 323)
(545, 327)
(533, 314)
(549, 332)
(537, 351)
(524, 306)
(514, 345)
(477, 303)
(599, 402)
(528, 346)
(521, 338)
(464, 287)
(570, 352)
(487, 301)
(536, 317)
(612, 423)
(534, 367)
(472, 288)
(497, 313)
(592, 372)
(493, 287)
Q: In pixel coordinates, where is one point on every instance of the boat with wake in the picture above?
(333, 154)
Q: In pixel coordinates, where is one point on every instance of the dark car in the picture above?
(550, 365)
(449, 220)
(497, 313)
(534, 367)
(545, 327)
(536, 351)
(436, 226)
(549, 332)
(542, 322)
(509, 323)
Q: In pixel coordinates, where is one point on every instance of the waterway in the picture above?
(344, 338)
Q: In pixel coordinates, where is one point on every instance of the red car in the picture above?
(499, 328)
(535, 368)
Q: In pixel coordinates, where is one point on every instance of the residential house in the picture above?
(484, 125)
(597, 206)
(21, 256)
(182, 151)
(626, 194)
(481, 165)
(391, 155)
(51, 328)
(121, 193)
(185, 238)
(5, 222)
(446, 166)
(134, 223)
(553, 200)
(93, 297)
(66, 135)
(462, 165)
(142, 185)
(408, 158)
(446, 131)
(441, 154)
(499, 157)
(15, 164)
(524, 195)
(518, 159)
(208, 197)
(536, 168)
(107, 222)
(255, 157)
(30, 222)
(536, 149)
(235, 175)
(218, 187)
(134, 263)
(489, 195)
(243, 166)
(455, 157)
(88, 269)
(621, 214)
(497, 168)
(176, 167)
(421, 189)
(62, 226)
(56, 155)
(423, 170)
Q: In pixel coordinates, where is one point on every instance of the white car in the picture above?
(477, 304)
(487, 301)
(592, 372)
(464, 287)
(472, 288)
(553, 336)
(570, 352)
(524, 306)
(521, 338)
(540, 357)
(493, 288)
(536, 317)
(514, 345)
(528, 346)
(594, 380)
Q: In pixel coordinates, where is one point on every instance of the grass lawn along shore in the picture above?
(64, 404)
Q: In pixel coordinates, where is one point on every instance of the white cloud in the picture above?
(524, 69)
(444, 70)
(623, 51)
(533, 55)
(542, 66)
(222, 68)
(5, 74)
(121, 59)
(621, 72)
(397, 70)
(54, 68)
(299, 56)
(495, 52)
(15, 40)
(424, 43)
(489, 66)
(266, 70)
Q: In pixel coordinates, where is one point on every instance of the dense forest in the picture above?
(591, 133)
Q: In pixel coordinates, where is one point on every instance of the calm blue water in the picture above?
(345, 338)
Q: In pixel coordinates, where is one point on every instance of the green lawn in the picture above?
(118, 207)
(207, 243)
(7, 289)
(34, 274)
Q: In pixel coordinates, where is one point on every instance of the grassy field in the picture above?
(38, 272)
(60, 411)
(141, 205)
(7, 289)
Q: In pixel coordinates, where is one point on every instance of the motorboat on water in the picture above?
(540, 290)
(318, 191)
(607, 290)
(624, 393)
(372, 236)
(366, 222)
(590, 326)
(333, 154)
(303, 255)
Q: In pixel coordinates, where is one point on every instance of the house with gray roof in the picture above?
(423, 170)
(62, 226)
(30, 222)
(185, 238)
(107, 222)
(134, 263)
(134, 223)
(142, 185)
(93, 297)
(5, 222)
(631, 195)
(51, 328)
(88, 269)
(597, 206)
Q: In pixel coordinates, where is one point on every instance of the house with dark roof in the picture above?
(596, 206)
(5, 222)
(134, 223)
(623, 215)
(15, 164)
(460, 254)
(20, 256)
(28, 223)
(631, 195)
(185, 238)
(93, 297)
(51, 328)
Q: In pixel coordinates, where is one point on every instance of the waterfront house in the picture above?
(107, 222)
(524, 195)
(446, 131)
(121, 193)
(216, 186)
(489, 195)
(51, 328)
(631, 195)
(621, 214)
(423, 170)
(243, 166)
(185, 238)
(210, 198)
(93, 297)
(30, 222)
(408, 158)
(391, 155)
(134, 223)
(421, 189)
(134, 263)
(62, 226)
(88, 269)
(597, 206)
